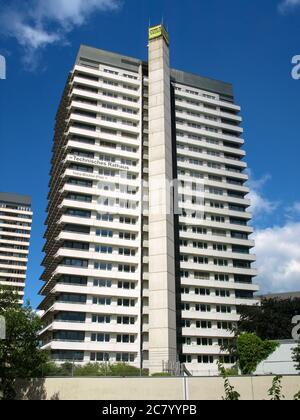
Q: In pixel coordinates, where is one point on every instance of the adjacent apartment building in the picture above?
(147, 254)
(15, 228)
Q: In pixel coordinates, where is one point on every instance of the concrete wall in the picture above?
(160, 389)
(162, 289)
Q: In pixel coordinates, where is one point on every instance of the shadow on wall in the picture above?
(35, 390)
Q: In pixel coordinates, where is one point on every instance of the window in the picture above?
(222, 293)
(101, 301)
(70, 317)
(63, 355)
(103, 266)
(79, 197)
(105, 217)
(72, 298)
(200, 260)
(201, 275)
(200, 245)
(127, 220)
(126, 320)
(204, 324)
(187, 341)
(102, 283)
(75, 262)
(69, 336)
(202, 308)
(204, 342)
(80, 182)
(225, 326)
(101, 319)
(200, 231)
(126, 285)
(202, 292)
(221, 277)
(104, 233)
(83, 246)
(99, 357)
(104, 249)
(224, 309)
(220, 247)
(126, 268)
(127, 252)
(125, 357)
(81, 168)
(185, 306)
(206, 359)
(127, 236)
(76, 280)
(125, 338)
(221, 262)
(100, 337)
(126, 302)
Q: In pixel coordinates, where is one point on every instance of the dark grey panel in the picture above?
(109, 58)
(96, 56)
(15, 199)
(204, 83)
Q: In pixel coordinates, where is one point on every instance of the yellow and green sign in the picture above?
(158, 31)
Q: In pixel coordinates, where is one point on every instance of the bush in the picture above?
(160, 374)
(252, 350)
(92, 369)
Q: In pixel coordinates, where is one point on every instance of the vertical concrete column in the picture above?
(162, 291)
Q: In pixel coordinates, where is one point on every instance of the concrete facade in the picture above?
(122, 283)
(15, 230)
(162, 291)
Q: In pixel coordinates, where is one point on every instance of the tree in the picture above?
(230, 393)
(20, 356)
(275, 392)
(251, 350)
(8, 299)
(296, 356)
(271, 320)
(297, 396)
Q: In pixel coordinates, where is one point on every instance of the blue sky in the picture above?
(248, 43)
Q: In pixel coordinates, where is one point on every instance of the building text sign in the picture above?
(158, 31)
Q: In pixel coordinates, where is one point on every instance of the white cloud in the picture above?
(43, 23)
(295, 208)
(287, 5)
(260, 205)
(278, 258)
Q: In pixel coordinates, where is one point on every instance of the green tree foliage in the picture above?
(251, 350)
(20, 356)
(230, 393)
(270, 321)
(297, 396)
(296, 356)
(275, 392)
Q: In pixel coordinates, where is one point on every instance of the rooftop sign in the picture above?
(157, 32)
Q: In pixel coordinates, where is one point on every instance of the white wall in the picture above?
(280, 362)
